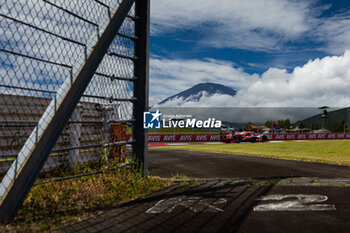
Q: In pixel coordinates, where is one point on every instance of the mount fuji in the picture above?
(197, 93)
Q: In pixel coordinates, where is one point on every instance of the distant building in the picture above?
(299, 130)
(321, 131)
(255, 128)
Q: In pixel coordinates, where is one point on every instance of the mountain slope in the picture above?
(195, 93)
(316, 121)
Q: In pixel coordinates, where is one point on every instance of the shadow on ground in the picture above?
(210, 207)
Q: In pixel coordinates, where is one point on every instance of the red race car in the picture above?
(246, 136)
(228, 137)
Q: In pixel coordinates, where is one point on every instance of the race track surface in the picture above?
(223, 207)
(242, 206)
(167, 163)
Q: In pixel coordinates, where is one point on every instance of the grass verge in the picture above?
(53, 205)
(325, 151)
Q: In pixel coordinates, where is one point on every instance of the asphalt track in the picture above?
(167, 163)
(233, 206)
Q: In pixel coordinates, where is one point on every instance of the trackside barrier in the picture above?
(308, 136)
(183, 138)
(153, 138)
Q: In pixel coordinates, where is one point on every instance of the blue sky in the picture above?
(275, 53)
(252, 46)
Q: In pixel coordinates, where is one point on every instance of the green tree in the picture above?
(337, 126)
(268, 124)
(285, 123)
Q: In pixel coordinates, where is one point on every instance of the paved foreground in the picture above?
(319, 204)
(229, 207)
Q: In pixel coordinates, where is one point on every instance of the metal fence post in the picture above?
(74, 136)
(141, 70)
(347, 119)
(108, 117)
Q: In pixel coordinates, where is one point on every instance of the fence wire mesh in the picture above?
(43, 43)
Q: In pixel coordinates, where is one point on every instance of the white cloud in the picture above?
(335, 32)
(282, 15)
(319, 82)
(168, 77)
(254, 25)
(262, 23)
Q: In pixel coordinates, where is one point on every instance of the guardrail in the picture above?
(308, 136)
(183, 138)
(154, 138)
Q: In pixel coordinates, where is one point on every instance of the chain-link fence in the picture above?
(45, 50)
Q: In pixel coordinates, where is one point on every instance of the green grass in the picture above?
(53, 205)
(325, 151)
